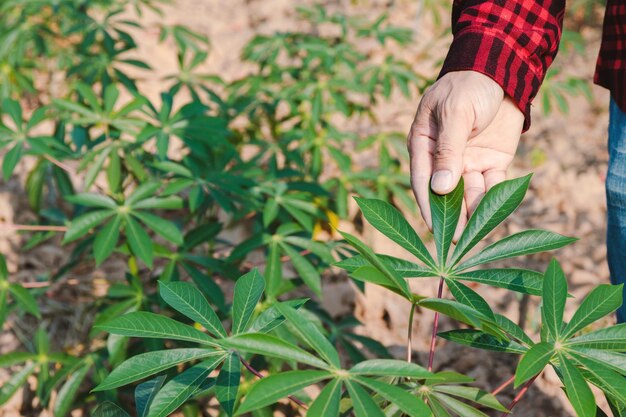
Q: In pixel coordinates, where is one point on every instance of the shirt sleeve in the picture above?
(512, 41)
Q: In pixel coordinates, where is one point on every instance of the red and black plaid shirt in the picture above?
(515, 41)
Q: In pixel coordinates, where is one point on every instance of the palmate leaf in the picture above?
(180, 388)
(390, 222)
(554, 297)
(601, 301)
(227, 383)
(144, 324)
(482, 340)
(410, 404)
(189, 301)
(613, 360)
(306, 271)
(445, 211)
(465, 295)
(500, 201)
(405, 269)
(608, 338)
(362, 402)
(139, 241)
(247, 293)
(458, 407)
(145, 393)
(150, 363)
(533, 362)
(518, 244)
(164, 228)
(371, 274)
(520, 280)
(391, 367)
(601, 375)
(17, 380)
(310, 334)
(67, 394)
(108, 409)
(452, 309)
(274, 387)
(367, 253)
(327, 402)
(106, 239)
(81, 225)
(576, 388)
(473, 394)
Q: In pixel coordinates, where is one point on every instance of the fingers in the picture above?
(474, 190)
(420, 150)
(454, 129)
(493, 177)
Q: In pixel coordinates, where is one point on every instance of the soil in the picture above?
(567, 153)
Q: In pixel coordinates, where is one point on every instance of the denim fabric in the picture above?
(616, 200)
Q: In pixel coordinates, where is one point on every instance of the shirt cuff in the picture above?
(489, 54)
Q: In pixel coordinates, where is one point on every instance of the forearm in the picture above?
(512, 41)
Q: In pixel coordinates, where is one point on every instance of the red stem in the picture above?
(433, 339)
(503, 386)
(260, 376)
(519, 395)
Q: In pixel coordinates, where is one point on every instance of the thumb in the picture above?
(453, 132)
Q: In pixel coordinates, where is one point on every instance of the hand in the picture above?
(464, 126)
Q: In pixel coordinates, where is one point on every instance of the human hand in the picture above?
(464, 126)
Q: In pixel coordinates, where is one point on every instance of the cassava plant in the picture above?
(385, 387)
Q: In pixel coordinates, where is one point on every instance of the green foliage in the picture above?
(161, 185)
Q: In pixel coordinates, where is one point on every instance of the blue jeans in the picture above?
(616, 201)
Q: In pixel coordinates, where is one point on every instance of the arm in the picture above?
(469, 122)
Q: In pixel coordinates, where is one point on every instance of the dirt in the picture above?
(567, 153)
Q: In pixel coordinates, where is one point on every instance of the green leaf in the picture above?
(189, 301)
(467, 296)
(106, 240)
(390, 222)
(518, 244)
(274, 387)
(405, 269)
(613, 360)
(142, 192)
(362, 402)
(164, 228)
(554, 297)
(92, 200)
(367, 253)
(144, 324)
(533, 362)
(139, 241)
(150, 363)
(577, 390)
(66, 395)
(375, 276)
(306, 271)
(227, 383)
(11, 159)
(17, 380)
(84, 223)
(473, 394)
(520, 280)
(390, 367)
(482, 340)
(601, 301)
(601, 376)
(247, 293)
(180, 388)
(458, 407)
(310, 334)
(452, 309)
(169, 203)
(608, 338)
(410, 404)
(263, 344)
(108, 409)
(25, 299)
(273, 270)
(500, 201)
(445, 210)
(145, 393)
(327, 402)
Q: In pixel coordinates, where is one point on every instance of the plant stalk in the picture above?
(33, 228)
(519, 395)
(503, 386)
(433, 339)
(259, 375)
(409, 353)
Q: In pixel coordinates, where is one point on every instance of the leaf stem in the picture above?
(409, 353)
(259, 375)
(519, 395)
(33, 227)
(503, 386)
(433, 339)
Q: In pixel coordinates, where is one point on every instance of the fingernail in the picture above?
(441, 181)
